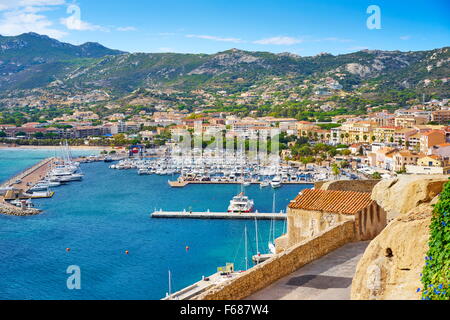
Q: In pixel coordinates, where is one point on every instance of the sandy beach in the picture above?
(17, 147)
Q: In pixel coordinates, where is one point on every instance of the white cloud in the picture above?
(16, 22)
(13, 4)
(405, 37)
(73, 23)
(125, 29)
(20, 16)
(283, 41)
(214, 38)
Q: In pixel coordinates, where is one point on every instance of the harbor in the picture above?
(95, 229)
(217, 215)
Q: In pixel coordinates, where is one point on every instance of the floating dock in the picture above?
(181, 184)
(217, 215)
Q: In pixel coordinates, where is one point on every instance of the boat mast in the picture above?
(256, 236)
(170, 284)
(246, 253)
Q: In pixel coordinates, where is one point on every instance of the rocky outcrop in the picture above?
(10, 210)
(391, 265)
(401, 195)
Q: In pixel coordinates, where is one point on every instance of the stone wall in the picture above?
(347, 185)
(6, 208)
(281, 264)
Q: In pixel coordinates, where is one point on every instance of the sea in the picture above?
(121, 252)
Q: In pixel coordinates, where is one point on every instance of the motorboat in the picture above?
(241, 204)
(276, 182)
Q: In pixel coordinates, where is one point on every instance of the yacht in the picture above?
(241, 204)
(276, 182)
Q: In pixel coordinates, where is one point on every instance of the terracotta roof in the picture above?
(345, 202)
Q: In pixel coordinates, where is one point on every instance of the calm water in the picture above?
(108, 213)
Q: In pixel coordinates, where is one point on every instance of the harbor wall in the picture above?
(282, 264)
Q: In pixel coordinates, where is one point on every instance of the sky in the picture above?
(303, 27)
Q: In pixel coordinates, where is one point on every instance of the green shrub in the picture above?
(436, 272)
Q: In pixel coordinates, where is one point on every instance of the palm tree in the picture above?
(335, 170)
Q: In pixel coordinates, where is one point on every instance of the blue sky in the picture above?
(208, 26)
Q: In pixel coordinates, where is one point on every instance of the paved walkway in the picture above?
(328, 278)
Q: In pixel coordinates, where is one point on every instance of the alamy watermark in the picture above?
(74, 280)
(374, 20)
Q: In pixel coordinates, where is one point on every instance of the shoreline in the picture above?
(17, 147)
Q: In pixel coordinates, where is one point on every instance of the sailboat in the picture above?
(271, 244)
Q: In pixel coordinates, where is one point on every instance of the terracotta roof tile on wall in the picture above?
(345, 202)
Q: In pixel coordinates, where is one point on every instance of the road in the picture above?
(328, 278)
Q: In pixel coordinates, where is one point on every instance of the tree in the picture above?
(357, 137)
(376, 175)
(335, 170)
(38, 135)
(2, 134)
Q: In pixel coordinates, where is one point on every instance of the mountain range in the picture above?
(32, 61)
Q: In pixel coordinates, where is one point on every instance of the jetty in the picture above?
(27, 178)
(199, 287)
(217, 215)
(184, 183)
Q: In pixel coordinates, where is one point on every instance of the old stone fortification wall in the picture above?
(347, 185)
(281, 264)
(391, 265)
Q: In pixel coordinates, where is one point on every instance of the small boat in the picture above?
(27, 203)
(264, 184)
(241, 204)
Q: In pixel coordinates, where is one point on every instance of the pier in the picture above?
(30, 176)
(199, 287)
(217, 215)
(181, 184)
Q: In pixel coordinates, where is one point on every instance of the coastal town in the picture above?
(413, 140)
(224, 150)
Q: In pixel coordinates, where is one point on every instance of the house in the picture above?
(403, 158)
(430, 139)
(315, 211)
(442, 150)
(431, 164)
(441, 116)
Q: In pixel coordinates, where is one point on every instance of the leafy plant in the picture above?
(436, 272)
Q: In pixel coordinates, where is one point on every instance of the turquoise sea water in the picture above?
(108, 213)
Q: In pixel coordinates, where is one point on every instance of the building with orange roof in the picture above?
(442, 150)
(315, 211)
(430, 139)
(403, 158)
